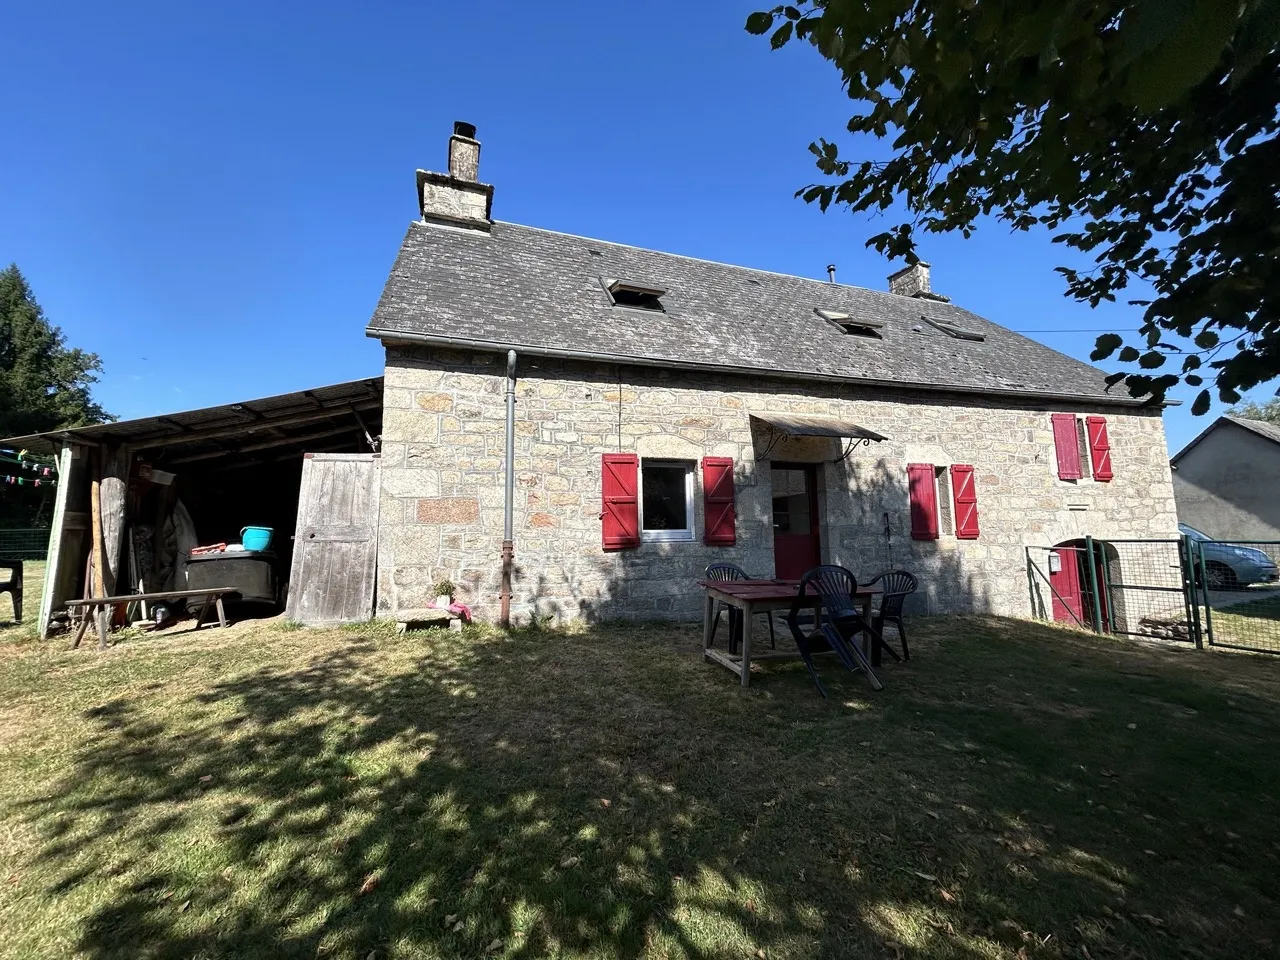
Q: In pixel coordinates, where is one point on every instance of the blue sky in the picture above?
(210, 198)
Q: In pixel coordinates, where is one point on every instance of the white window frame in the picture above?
(668, 536)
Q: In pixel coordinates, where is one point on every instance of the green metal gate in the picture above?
(1237, 593)
(1203, 592)
(1134, 587)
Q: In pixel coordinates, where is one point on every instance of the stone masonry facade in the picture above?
(443, 477)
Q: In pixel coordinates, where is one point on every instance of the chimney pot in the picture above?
(464, 152)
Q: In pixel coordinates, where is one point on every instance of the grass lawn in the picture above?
(1252, 623)
(1016, 791)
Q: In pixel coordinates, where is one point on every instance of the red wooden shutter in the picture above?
(966, 500)
(1067, 444)
(924, 501)
(620, 520)
(1099, 447)
(720, 527)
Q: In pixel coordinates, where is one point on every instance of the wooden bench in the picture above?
(99, 608)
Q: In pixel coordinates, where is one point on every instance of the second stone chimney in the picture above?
(913, 281)
(457, 197)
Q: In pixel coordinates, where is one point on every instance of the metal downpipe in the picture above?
(508, 500)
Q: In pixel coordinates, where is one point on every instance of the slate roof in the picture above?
(1261, 427)
(523, 288)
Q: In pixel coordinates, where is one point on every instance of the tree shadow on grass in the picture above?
(602, 794)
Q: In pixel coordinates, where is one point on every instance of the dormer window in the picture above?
(852, 325)
(953, 329)
(625, 294)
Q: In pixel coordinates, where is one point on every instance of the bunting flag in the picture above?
(31, 466)
(11, 479)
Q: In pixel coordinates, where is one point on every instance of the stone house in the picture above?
(1225, 480)
(672, 412)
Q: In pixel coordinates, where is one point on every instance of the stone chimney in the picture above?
(457, 197)
(913, 281)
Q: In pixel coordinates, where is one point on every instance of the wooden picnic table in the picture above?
(761, 596)
(99, 608)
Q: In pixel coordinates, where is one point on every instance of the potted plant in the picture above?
(444, 593)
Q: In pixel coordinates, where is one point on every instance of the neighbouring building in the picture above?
(1225, 480)
(672, 412)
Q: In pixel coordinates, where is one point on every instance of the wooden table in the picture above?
(760, 596)
(99, 608)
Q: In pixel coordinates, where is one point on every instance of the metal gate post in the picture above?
(1204, 590)
(1189, 590)
(1031, 586)
(1093, 585)
(1106, 587)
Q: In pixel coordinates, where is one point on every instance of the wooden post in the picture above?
(95, 512)
(747, 616)
(112, 492)
(48, 594)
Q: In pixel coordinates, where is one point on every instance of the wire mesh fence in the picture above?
(1220, 593)
(30, 543)
(1146, 588)
(1138, 588)
(1237, 593)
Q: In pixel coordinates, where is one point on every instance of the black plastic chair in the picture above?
(897, 586)
(731, 571)
(837, 626)
(12, 585)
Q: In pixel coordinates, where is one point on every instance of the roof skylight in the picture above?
(852, 325)
(953, 329)
(625, 294)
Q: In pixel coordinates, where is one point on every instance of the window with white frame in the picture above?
(666, 500)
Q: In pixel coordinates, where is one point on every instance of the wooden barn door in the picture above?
(335, 547)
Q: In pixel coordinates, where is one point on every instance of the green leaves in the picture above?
(1166, 47)
(44, 383)
(1151, 360)
(1206, 339)
(1106, 345)
(1259, 35)
(1269, 411)
(1142, 133)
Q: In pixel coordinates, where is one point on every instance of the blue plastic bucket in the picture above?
(255, 538)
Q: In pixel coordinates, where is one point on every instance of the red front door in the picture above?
(1064, 577)
(795, 520)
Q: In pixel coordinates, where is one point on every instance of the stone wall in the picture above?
(443, 474)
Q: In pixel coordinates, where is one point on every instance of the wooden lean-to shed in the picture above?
(307, 457)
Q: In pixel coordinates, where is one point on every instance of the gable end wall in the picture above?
(1226, 485)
